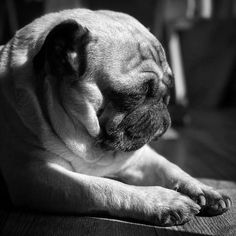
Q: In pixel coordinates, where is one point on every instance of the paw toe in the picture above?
(201, 200)
(219, 207)
(228, 202)
(211, 201)
(175, 218)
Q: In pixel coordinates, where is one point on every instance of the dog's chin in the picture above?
(136, 129)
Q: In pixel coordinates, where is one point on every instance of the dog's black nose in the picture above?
(159, 89)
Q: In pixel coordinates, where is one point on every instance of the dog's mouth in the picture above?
(129, 132)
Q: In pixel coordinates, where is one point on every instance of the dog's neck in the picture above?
(72, 142)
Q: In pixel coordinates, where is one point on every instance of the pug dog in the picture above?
(82, 94)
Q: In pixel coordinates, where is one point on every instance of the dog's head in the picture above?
(110, 76)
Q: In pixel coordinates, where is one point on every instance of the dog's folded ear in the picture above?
(63, 51)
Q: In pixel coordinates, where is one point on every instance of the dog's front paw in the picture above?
(212, 202)
(165, 207)
(177, 211)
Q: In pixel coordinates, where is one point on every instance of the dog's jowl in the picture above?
(82, 93)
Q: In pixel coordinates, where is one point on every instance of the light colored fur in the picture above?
(66, 172)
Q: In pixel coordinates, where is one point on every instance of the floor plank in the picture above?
(207, 147)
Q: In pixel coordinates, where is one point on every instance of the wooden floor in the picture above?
(206, 149)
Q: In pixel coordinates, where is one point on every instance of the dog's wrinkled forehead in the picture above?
(124, 35)
(123, 46)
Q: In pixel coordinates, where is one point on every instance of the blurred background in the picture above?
(200, 40)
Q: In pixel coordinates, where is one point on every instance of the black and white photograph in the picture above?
(117, 118)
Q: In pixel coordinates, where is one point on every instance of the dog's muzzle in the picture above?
(136, 128)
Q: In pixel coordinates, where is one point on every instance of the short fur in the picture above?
(82, 93)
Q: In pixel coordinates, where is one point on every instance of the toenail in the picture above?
(228, 203)
(202, 200)
(222, 204)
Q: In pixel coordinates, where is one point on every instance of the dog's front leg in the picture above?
(151, 168)
(50, 187)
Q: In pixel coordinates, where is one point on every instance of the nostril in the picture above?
(168, 80)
